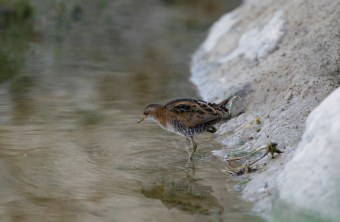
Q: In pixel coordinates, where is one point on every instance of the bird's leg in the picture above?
(189, 145)
(194, 146)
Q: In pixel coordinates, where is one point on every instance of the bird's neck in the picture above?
(159, 116)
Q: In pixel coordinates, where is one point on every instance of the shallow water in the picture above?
(70, 148)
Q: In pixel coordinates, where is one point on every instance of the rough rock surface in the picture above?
(309, 186)
(282, 58)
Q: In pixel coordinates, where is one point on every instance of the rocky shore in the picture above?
(282, 58)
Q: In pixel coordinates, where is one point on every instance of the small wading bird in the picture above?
(187, 117)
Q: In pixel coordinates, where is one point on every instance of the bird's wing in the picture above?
(191, 113)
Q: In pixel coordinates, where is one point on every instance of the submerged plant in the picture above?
(16, 18)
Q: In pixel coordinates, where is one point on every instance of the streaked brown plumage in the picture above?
(187, 117)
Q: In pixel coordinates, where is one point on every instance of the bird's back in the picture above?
(190, 116)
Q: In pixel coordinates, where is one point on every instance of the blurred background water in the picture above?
(74, 78)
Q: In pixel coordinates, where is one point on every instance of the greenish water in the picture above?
(70, 149)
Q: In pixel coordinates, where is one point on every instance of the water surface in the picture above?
(70, 148)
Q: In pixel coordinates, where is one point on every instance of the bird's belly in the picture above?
(188, 131)
(180, 129)
(172, 129)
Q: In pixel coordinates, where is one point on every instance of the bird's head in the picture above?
(150, 112)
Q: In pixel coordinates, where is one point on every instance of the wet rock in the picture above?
(308, 189)
(282, 58)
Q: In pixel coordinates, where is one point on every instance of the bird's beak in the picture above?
(141, 119)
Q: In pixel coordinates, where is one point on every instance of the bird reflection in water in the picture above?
(185, 194)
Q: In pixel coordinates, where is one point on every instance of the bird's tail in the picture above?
(222, 106)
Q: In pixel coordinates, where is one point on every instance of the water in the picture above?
(70, 148)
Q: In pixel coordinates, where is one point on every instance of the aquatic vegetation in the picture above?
(270, 148)
(16, 18)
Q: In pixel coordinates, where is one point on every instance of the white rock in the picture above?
(258, 42)
(221, 27)
(310, 182)
(282, 58)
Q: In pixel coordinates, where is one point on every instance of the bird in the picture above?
(187, 117)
